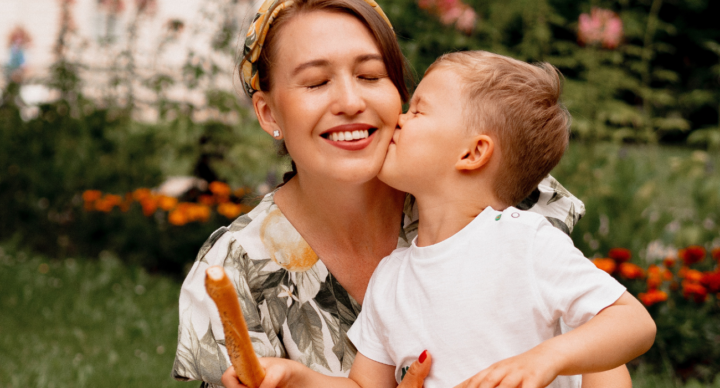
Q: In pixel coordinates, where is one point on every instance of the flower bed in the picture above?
(682, 293)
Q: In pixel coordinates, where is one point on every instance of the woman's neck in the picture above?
(350, 226)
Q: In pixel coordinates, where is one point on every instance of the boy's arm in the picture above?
(619, 333)
(616, 335)
(365, 373)
(614, 378)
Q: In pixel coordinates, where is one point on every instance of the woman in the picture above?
(328, 78)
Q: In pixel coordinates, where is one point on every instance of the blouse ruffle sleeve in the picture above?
(556, 203)
(201, 352)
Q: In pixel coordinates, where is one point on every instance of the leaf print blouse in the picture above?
(294, 307)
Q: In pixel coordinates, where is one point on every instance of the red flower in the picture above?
(692, 254)
(631, 271)
(607, 265)
(621, 255)
(716, 253)
(652, 296)
(669, 262)
(695, 291)
(711, 281)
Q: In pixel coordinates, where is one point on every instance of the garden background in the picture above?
(110, 185)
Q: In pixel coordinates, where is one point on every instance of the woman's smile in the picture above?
(351, 137)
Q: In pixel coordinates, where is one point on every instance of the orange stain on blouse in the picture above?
(286, 247)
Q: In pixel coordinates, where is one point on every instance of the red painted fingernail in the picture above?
(423, 356)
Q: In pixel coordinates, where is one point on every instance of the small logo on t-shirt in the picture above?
(498, 217)
(404, 371)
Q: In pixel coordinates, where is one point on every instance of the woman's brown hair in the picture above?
(395, 63)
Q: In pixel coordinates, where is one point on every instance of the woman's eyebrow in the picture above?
(315, 63)
(369, 57)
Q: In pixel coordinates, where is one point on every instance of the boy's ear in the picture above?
(265, 116)
(480, 150)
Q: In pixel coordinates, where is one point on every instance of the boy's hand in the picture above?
(531, 369)
(278, 373)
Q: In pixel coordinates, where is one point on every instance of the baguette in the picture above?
(237, 338)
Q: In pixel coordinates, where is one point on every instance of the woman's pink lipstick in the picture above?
(352, 145)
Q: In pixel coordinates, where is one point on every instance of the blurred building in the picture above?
(165, 33)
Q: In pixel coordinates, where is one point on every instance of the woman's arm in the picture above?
(365, 373)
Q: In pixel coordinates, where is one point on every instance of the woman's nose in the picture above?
(348, 98)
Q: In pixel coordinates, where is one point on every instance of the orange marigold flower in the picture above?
(115, 200)
(220, 189)
(694, 291)
(149, 206)
(607, 265)
(652, 296)
(631, 271)
(201, 213)
(621, 255)
(669, 262)
(711, 281)
(167, 203)
(91, 195)
(230, 210)
(141, 194)
(692, 254)
(716, 253)
(178, 217)
(207, 200)
(690, 275)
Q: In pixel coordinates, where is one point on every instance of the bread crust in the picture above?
(237, 338)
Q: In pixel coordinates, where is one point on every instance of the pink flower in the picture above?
(467, 21)
(602, 26)
(452, 12)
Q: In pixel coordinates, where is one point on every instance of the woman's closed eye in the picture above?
(372, 77)
(317, 84)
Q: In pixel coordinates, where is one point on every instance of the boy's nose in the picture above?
(401, 120)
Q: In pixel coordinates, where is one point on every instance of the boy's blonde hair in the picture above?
(519, 105)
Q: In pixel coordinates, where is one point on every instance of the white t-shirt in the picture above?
(495, 289)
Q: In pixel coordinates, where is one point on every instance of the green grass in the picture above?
(79, 323)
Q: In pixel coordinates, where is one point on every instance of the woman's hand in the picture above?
(415, 376)
(278, 373)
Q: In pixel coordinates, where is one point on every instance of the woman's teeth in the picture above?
(348, 135)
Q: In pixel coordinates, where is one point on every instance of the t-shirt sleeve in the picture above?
(569, 285)
(366, 333)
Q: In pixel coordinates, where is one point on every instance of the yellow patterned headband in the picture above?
(256, 38)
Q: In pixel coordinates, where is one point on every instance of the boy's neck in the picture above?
(443, 216)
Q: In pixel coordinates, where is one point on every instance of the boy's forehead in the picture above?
(438, 81)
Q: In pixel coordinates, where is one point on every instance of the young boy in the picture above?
(484, 286)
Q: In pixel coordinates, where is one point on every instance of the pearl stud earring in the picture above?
(276, 133)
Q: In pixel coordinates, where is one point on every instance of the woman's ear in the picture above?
(265, 116)
(480, 150)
